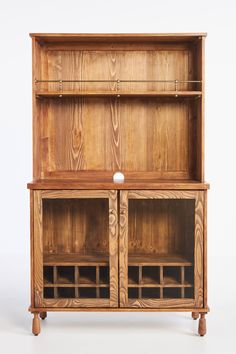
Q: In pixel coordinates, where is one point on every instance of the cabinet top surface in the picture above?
(109, 184)
(117, 36)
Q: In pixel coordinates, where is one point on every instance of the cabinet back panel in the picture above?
(161, 227)
(75, 226)
(165, 64)
(109, 134)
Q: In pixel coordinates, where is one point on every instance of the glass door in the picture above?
(75, 248)
(161, 249)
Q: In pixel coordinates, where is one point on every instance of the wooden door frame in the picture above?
(37, 248)
(197, 302)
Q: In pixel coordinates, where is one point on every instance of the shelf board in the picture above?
(107, 183)
(158, 260)
(153, 285)
(73, 285)
(57, 94)
(103, 260)
(69, 259)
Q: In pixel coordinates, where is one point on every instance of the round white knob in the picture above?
(118, 177)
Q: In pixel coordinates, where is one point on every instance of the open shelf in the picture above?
(118, 94)
(158, 260)
(67, 259)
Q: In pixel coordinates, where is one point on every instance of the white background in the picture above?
(116, 333)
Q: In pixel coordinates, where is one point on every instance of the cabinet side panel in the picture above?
(113, 248)
(205, 250)
(36, 122)
(200, 57)
(32, 247)
(123, 249)
(38, 250)
(198, 262)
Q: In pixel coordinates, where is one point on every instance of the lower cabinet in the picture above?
(118, 249)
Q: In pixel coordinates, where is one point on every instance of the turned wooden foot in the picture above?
(195, 315)
(202, 325)
(36, 324)
(43, 315)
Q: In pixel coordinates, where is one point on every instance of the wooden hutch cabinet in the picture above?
(104, 103)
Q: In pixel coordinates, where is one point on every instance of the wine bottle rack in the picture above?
(160, 282)
(76, 282)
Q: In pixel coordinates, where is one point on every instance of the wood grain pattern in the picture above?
(68, 127)
(68, 229)
(113, 248)
(74, 194)
(168, 227)
(123, 249)
(198, 250)
(165, 303)
(78, 303)
(38, 250)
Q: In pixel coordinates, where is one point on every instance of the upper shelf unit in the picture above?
(99, 113)
(145, 65)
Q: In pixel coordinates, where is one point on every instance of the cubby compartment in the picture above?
(66, 292)
(133, 275)
(150, 275)
(65, 275)
(104, 275)
(87, 275)
(133, 293)
(104, 293)
(150, 293)
(48, 293)
(189, 275)
(172, 275)
(48, 275)
(172, 293)
(87, 293)
(189, 293)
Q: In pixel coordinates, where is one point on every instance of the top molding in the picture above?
(48, 37)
